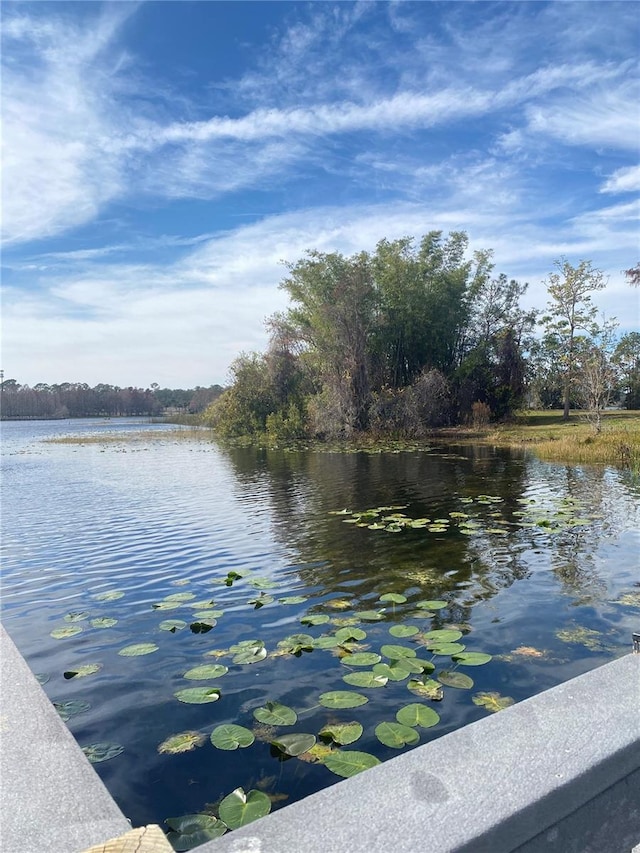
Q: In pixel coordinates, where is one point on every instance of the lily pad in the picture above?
(342, 733)
(261, 600)
(471, 658)
(82, 671)
(417, 715)
(348, 762)
(166, 605)
(370, 615)
(295, 743)
(396, 735)
(192, 830)
(430, 605)
(361, 659)
(180, 596)
(427, 688)
(403, 630)
(343, 635)
(342, 699)
(262, 583)
(76, 616)
(198, 695)
(397, 670)
(394, 597)
(314, 619)
(492, 701)
(293, 599)
(207, 670)
(104, 622)
(69, 709)
(455, 679)
(297, 643)
(67, 631)
(325, 643)
(397, 652)
(447, 649)
(251, 654)
(98, 752)
(138, 649)
(275, 714)
(203, 626)
(443, 635)
(339, 604)
(239, 808)
(230, 736)
(365, 679)
(183, 742)
(110, 595)
(172, 625)
(205, 616)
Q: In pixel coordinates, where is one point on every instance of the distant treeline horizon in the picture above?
(78, 400)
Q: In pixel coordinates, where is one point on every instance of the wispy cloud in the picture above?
(623, 180)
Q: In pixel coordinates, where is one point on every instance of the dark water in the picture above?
(145, 516)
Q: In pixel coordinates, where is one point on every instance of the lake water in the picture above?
(533, 563)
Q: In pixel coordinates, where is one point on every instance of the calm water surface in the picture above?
(161, 514)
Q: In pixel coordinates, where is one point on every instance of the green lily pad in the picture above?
(76, 616)
(172, 625)
(361, 659)
(262, 583)
(397, 652)
(447, 649)
(471, 658)
(275, 714)
(166, 605)
(110, 595)
(455, 679)
(297, 643)
(427, 688)
(294, 599)
(103, 622)
(348, 762)
(397, 670)
(180, 596)
(138, 649)
(82, 671)
(203, 604)
(261, 600)
(396, 735)
(205, 617)
(403, 630)
(343, 635)
(192, 830)
(394, 597)
(230, 736)
(69, 709)
(183, 742)
(252, 654)
(67, 631)
(342, 699)
(365, 679)
(342, 733)
(325, 643)
(314, 619)
(370, 615)
(441, 636)
(206, 670)
(430, 605)
(198, 695)
(98, 752)
(295, 743)
(238, 808)
(416, 714)
(492, 701)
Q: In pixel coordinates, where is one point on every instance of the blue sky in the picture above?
(162, 159)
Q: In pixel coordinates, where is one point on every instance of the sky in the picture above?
(162, 160)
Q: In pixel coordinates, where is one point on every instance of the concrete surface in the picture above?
(51, 798)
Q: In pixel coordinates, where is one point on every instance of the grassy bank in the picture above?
(575, 440)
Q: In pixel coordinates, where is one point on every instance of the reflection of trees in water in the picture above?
(304, 487)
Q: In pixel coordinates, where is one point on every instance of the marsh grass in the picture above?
(133, 437)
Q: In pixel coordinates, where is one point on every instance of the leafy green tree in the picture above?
(570, 312)
(626, 357)
(596, 376)
(244, 407)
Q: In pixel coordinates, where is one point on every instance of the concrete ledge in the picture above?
(51, 798)
(558, 772)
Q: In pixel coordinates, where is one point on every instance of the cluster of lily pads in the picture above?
(554, 517)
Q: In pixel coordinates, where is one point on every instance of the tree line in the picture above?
(78, 400)
(418, 335)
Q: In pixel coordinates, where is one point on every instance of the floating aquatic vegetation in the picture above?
(192, 830)
(103, 622)
(66, 631)
(455, 679)
(230, 736)
(314, 619)
(427, 688)
(182, 742)
(76, 616)
(471, 658)
(293, 599)
(110, 595)
(180, 596)
(295, 743)
(416, 714)
(205, 671)
(167, 605)
(365, 679)
(198, 695)
(82, 671)
(361, 659)
(587, 637)
(172, 625)
(296, 644)
(240, 808)
(317, 754)
(69, 709)
(342, 699)
(629, 599)
(261, 600)
(393, 597)
(401, 631)
(339, 604)
(137, 649)
(275, 714)
(202, 626)
(396, 735)
(342, 733)
(525, 652)
(98, 752)
(492, 701)
(348, 762)
(248, 652)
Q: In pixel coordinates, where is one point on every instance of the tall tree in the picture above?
(570, 312)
